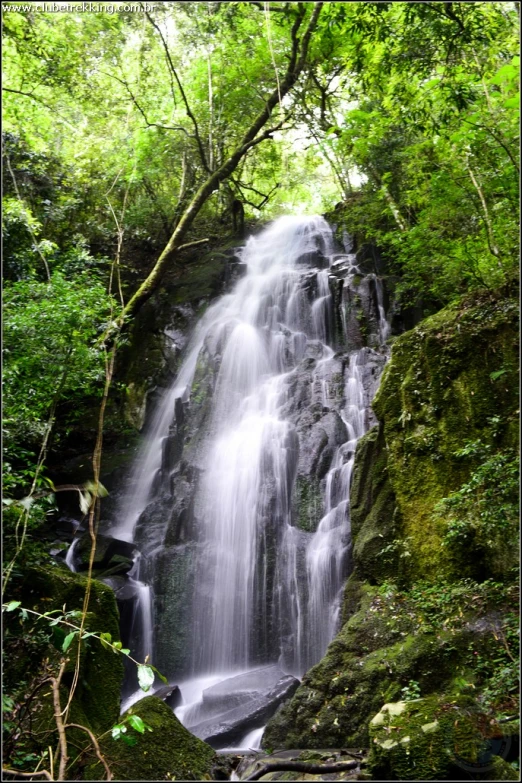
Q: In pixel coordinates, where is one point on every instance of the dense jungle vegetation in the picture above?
(132, 141)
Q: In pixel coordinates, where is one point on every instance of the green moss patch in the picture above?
(166, 752)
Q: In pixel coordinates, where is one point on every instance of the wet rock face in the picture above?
(170, 694)
(240, 704)
(111, 554)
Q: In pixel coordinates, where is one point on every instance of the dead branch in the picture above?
(95, 745)
(183, 95)
(55, 684)
(303, 766)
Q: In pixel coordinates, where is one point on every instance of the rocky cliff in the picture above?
(429, 608)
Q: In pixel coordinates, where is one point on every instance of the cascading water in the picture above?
(262, 589)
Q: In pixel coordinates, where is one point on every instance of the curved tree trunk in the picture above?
(253, 136)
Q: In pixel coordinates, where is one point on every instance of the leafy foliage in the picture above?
(445, 608)
(486, 506)
(434, 135)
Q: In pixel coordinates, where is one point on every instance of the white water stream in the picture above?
(261, 582)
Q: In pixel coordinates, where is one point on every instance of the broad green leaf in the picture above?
(90, 486)
(68, 640)
(106, 639)
(513, 103)
(137, 723)
(145, 677)
(504, 74)
(11, 606)
(85, 502)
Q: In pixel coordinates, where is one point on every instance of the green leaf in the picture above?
(106, 639)
(513, 103)
(504, 74)
(90, 486)
(145, 677)
(125, 651)
(85, 502)
(137, 723)
(117, 730)
(68, 640)
(160, 675)
(11, 606)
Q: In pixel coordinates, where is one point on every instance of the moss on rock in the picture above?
(373, 512)
(446, 381)
(450, 381)
(168, 752)
(435, 738)
(309, 503)
(99, 686)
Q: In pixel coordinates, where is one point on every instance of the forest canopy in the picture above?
(128, 134)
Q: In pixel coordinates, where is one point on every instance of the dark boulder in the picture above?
(240, 704)
(111, 553)
(170, 694)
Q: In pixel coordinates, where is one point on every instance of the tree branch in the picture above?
(295, 66)
(95, 745)
(39, 100)
(142, 112)
(493, 249)
(184, 97)
(55, 684)
(303, 766)
(193, 244)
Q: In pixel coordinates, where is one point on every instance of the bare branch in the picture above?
(39, 100)
(184, 97)
(95, 745)
(55, 684)
(142, 111)
(16, 772)
(193, 244)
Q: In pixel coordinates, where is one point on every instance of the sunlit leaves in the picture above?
(145, 677)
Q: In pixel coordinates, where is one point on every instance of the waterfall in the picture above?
(287, 406)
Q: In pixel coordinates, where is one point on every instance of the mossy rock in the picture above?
(380, 650)
(101, 670)
(373, 511)
(434, 738)
(168, 752)
(309, 503)
(445, 380)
